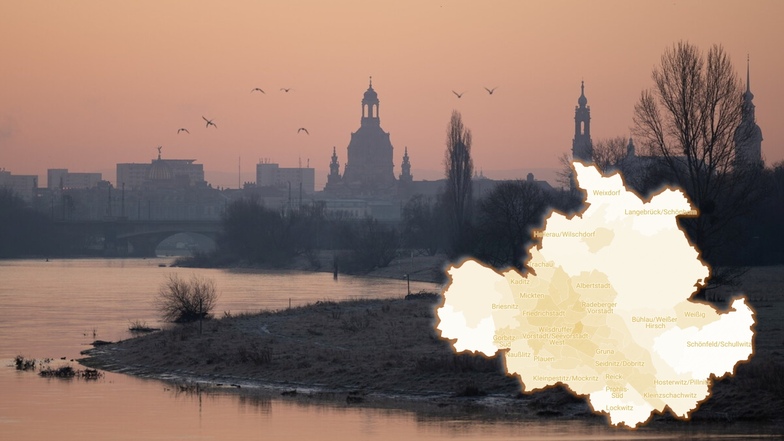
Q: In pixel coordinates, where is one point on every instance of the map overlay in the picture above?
(604, 308)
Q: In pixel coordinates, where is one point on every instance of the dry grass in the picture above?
(374, 345)
(141, 327)
(64, 371)
(391, 346)
(67, 372)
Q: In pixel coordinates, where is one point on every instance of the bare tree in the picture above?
(564, 173)
(184, 301)
(459, 168)
(505, 219)
(422, 225)
(608, 155)
(689, 119)
(618, 154)
(370, 245)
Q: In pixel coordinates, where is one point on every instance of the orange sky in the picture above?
(87, 84)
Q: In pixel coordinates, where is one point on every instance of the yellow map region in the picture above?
(604, 308)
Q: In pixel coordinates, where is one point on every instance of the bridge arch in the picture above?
(186, 244)
(141, 238)
(137, 238)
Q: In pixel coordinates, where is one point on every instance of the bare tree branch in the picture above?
(689, 119)
(459, 169)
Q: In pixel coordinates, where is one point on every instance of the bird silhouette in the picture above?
(259, 89)
(209, 122)
(490, 91)
(286, 89)
(302, 129)
(459, 95)
(182, 130)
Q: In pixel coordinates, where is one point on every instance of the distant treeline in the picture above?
(25, 232)
(499, 230)
(757, 237)
(254, 234)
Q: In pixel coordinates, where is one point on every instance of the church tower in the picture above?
(582, 146)
(369, 170)
(748, 135)
(405, 169)
(334, 170)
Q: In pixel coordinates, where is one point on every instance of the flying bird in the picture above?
(182, 130)
(459, 95)
(209, 122)
(259, 89)
(490, 91)
(302, 129)
(285, 89)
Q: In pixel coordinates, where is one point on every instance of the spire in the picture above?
(371, 82)
(405, 168)
(748, 96)
(582, 101)
(334, 169)
(748, 136)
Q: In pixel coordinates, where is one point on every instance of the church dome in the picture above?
(160, 171)
(370, 94)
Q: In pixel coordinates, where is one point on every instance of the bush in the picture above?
(184, 301)
(370, 245)
(23, 364)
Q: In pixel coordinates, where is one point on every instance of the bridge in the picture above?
(133, 238)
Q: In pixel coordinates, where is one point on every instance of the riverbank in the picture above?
(421, 268)
(371, 352)
(386, 353)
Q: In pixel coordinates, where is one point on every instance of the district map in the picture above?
(604, 307)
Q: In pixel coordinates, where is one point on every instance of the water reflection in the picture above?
(119, 407)
(254, 404)
(51, 309)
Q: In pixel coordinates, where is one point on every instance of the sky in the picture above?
(89, 84)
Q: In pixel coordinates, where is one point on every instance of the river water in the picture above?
(55, 309)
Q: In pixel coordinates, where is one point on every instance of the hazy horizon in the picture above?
(228, 179)
(91, 84)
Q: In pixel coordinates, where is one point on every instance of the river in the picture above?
(55, 309)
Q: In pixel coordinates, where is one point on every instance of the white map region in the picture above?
(605, 307)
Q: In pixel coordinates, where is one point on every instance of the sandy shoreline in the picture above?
(386, 353)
